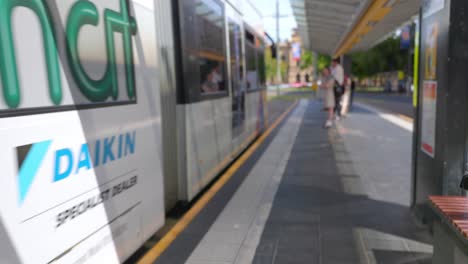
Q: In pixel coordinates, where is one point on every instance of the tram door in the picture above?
(237, 78)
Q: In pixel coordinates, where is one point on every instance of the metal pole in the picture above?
(278, 57)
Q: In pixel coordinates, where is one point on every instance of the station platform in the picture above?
(305, 194)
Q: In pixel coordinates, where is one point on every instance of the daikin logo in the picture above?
(30, 158)
(82, 13)
(60, 164)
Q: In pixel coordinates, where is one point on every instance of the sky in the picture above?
(268, 8)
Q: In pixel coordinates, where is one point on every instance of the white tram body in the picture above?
(112, 111)
(214, 126)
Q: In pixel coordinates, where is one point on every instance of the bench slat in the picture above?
(454, 209)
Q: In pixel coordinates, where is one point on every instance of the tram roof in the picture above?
(337, 27)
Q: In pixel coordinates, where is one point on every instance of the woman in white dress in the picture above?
(329, 98)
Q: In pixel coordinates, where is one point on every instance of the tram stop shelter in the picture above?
(440, 145)
(337, 27)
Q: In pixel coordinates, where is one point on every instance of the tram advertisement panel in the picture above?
(80, 130)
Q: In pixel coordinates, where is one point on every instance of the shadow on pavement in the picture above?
(314, 220)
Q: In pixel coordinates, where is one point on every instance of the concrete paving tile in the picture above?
(241, 212)
(320, 147)
(232, 225)
(386, 244)
(302, 169)
(261, 173)
(218, 251)
(272, 162)
(371, 258)
(245, 255)
(345, 168)
(180, 250)
(292, 228)
(206, 262)
(341, 255)
(253, 236)
(289, 214)
(416, 246)
(256, 228)
(296, 257)
(300, 241)
(231, 237)
(262, 259)
(392, 257)
(268, 247)
(270, 192)
(354, 186)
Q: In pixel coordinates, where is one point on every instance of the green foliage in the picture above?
(384, 57)
(307, 59)
(323, 61)
(271, 66)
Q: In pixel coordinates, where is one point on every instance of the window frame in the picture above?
(188, 91)
(242, 81)
(257, 50)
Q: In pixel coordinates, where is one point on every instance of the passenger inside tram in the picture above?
(212, 78)
(209, 83)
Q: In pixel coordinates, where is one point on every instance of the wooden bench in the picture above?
(451, 231)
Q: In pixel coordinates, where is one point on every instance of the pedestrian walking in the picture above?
(338, 76)
(353, 88)
(327, 86)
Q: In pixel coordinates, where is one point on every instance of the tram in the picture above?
(115, 111)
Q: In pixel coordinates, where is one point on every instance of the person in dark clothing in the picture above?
(338, 75)
(338, 92)
(353, 87)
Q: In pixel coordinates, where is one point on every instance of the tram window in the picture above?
(237, 88)
(251, 61)
(261, 66)
(211, 52)
(235, 44)
(261, 62)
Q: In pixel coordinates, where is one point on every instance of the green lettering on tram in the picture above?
(82, 13)
(85, 13)
(8, 65)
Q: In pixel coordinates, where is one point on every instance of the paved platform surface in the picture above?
(395, 103)
(312, 195)
(235, 235)
(344, 196)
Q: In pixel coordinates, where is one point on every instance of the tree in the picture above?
(307, 59)
(271, 66)
(386, 56)
(323, 61)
